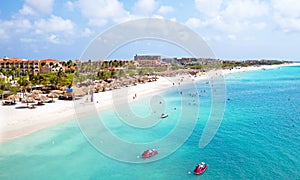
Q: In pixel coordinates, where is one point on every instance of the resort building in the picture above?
(181, 61)
(23, 66)
(190, 61)
(148, 60)
(50, 65)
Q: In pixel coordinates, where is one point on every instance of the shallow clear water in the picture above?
(259, 138)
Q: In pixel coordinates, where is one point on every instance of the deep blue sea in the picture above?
(259, 137)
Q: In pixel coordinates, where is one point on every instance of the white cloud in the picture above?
(54, 24)
(53, 39)
(208, 7)
(287, 24)
(22, 25)
(51, 29)
(98, 22)
(33, 7)
(144, 7)
(99, 12)
(287, 8)
(165, 9)
(231, 37)
(217, 38)
(194, 23)
(3, 34)
(287, 15)
(173, 19)
(12, 27)
(70, 5)
(157, 16)
(87, 32)
(227, 25)
(259, 25)
(243, 9)
(212, 38)
(230, 16)
(218, 23)
(16, 25)
(28, 40)
(26, 10)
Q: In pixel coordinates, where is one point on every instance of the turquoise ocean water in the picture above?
(259, 138)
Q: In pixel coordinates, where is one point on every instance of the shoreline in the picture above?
(22, 122)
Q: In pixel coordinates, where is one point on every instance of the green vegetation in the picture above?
(231, 64)
(195, 67)
(8, 88)
(103, 70)
(55, 79)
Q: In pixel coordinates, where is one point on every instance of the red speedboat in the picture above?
(200, 168)
(148, 153)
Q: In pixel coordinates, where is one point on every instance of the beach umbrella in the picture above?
(79, 92)
(28, 100)
(13, 97)
(29, 95)
(43, 98)
(52, 95)
(40, 98)
(57, 91)
(36, 97)
(10, 97)
(37, 92)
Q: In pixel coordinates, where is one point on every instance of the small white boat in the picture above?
(164, 115)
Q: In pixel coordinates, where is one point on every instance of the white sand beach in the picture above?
(16, 122)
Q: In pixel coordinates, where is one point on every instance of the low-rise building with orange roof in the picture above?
(24, 66)
(148, 60)
(50, 65)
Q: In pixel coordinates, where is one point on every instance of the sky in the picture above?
(233, 29)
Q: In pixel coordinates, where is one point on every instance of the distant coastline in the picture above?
(21, 122)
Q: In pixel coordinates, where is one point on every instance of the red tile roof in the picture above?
(49, 60)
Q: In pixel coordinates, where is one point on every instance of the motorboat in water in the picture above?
(149, 153)
(164, 115)
(200, 168)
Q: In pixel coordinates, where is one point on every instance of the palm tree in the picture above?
(113, 74)
(64, 63)
(46, 80)
(70, 63)
(4, 72)
(53, 80)
(104, 65)
(12, 72)
(18, 72)
(121, 73)
(27, 72)
(59, 80)
(3, 86)
(23, 83)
